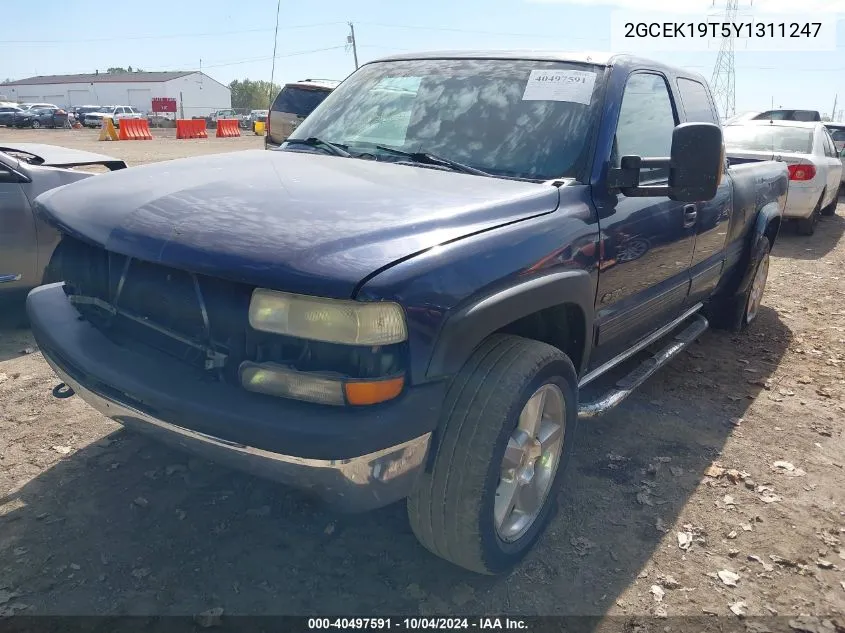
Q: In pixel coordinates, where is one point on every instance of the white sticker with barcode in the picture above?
(575, 86)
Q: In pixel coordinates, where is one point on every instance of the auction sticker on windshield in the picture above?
(575, 86)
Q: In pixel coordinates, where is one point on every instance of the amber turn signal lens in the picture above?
(373, 392)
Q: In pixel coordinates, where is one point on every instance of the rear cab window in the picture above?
(696, 99)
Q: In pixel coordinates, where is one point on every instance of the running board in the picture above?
(625, 386)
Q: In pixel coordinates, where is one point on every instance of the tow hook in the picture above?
(62, 391)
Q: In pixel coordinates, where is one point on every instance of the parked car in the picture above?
(31, 106)
(227, 113)
(115, 113)
(775, 115)
(415, 317)
(294, 102)
(7, 115)
(837, 133)
(40, 117)
(26, 242)
(79, 112)
(842, 181)
(815, 169)
(255, 116)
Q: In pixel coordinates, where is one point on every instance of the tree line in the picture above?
(253, 95)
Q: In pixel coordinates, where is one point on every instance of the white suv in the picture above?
(116, 113)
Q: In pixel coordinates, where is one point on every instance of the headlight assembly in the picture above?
(328, 320)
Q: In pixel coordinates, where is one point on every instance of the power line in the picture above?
(169, 36)
(456, 30)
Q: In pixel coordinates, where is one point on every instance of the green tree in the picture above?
(252, 95)
(119, 70)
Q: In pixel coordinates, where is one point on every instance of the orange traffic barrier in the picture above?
(228, 128)
(191, 128)
(135, 130)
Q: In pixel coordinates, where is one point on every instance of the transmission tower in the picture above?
(723, 82)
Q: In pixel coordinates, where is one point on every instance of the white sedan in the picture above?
(815, 170)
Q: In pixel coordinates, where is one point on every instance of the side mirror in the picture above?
(695, 166)
(698, 160)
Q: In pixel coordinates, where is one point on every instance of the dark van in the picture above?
(293, 103)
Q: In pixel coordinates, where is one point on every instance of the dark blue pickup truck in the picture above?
(418, 295)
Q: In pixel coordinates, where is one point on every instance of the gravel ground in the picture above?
(717, 490)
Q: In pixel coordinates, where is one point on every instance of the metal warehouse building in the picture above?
(197, 93)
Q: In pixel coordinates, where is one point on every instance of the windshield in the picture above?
(513, 118)
(769, 139)
(299, 101)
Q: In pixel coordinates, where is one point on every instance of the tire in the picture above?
(807, 226)
(736, 313)
(35, 124)
(451, 512)
(830, 209)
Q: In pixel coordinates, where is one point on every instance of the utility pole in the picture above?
(271, 96)
(833, 112)
(350, 39)
(723, 82)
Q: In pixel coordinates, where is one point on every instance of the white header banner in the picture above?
(637, 31)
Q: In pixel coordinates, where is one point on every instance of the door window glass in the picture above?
(646, 122)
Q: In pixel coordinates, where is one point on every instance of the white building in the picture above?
(196, 93)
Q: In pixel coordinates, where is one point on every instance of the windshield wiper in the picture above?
(313, 141)
(427, 158)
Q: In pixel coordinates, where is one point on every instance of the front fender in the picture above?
(468, 326)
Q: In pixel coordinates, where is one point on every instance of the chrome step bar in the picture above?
(651, 338)
(626, 385)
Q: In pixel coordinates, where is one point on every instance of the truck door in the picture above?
(713, 216)
(647, 243)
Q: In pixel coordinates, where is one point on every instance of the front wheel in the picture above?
(504, 440)
(36, 124)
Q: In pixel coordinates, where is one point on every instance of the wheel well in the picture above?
(562, 326)
(772, 230)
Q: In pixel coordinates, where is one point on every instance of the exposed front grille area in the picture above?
(202, 321)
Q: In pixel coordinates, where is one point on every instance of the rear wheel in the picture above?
(740, 310)
(831, 208)
(500, 451)
(807, 226)
(36, 124)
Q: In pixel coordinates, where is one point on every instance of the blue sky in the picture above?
(235, 39)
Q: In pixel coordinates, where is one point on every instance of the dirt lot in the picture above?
(94, 520)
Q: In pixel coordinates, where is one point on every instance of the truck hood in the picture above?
(287, 220)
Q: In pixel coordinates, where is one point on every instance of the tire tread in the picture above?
(444, 510)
